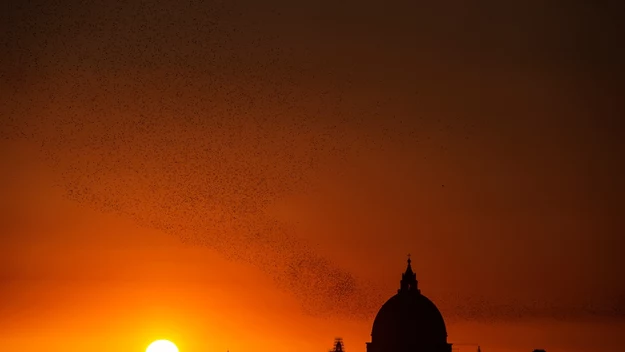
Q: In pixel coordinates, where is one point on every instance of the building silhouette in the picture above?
(409, 321)
(338, 345)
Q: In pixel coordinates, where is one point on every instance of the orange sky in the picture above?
(75, 279)
(246, 177)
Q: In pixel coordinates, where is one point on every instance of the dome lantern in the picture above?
(409, 281)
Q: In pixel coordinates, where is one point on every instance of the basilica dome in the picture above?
(408, 321)
(409, 317)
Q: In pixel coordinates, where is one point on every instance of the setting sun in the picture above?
(162, 346)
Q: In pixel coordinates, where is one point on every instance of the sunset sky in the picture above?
(250, 175)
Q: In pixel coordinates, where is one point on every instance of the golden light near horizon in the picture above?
(162, 346)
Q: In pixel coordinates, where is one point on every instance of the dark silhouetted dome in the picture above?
(408, 321)
(409, 317)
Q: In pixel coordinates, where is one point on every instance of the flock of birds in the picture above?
(192, 126)
(190, 121)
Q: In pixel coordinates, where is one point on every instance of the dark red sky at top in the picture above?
(320, 142)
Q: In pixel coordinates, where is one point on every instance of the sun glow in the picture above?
(162, 346)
